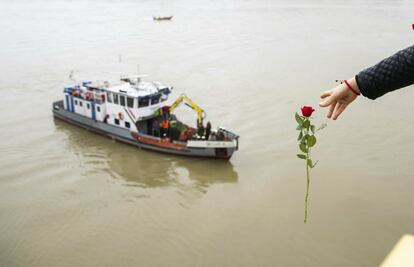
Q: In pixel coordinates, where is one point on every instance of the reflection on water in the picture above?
(144, 168)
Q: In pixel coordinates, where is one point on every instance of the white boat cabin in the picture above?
(121, 105)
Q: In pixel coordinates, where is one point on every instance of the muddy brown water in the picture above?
(72, 198)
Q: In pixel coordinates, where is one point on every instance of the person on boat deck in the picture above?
(165, 125)
(155, 128)
(166, 111)
(200, 128)
(208, 130)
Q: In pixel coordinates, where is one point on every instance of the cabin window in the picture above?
(116, 121)
(122, 98)
(143, 102)
(110, 98)
(80, 103)
(88, 106)
(116, 99)
(130, 102)
(76, 102)
(98, 108)
(155, 99)
(127, 124)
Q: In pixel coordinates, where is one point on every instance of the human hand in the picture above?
(339, 98)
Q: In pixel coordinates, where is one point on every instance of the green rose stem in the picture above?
(307, 187)
(306, 141)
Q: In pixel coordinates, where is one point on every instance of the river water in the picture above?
(72, 198)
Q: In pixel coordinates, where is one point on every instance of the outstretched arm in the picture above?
(392, 73)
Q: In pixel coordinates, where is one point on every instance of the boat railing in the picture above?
(228, 134)
(58, 105)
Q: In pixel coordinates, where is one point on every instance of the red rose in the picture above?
(307, 111)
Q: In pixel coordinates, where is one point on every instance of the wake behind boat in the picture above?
(136, 112)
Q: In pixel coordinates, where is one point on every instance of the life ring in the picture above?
(121, 116)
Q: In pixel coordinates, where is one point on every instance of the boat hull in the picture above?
(128, 137)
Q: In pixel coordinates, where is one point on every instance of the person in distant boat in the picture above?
(392, 73)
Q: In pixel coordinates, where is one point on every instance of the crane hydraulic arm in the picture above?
(200, 112)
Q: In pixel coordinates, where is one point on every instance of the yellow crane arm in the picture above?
(191, 104)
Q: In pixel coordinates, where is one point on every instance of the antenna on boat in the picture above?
(120, 64)
(138, 69)
(71, 75)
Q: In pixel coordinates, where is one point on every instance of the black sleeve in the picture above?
(390, 74)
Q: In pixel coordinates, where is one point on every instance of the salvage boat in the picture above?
(138, 112)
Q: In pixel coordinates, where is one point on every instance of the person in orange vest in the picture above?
(166, 111)
(165, 125)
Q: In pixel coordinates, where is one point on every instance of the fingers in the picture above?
(329, 101)
(331, 110)
(341, 107)
(326, 94)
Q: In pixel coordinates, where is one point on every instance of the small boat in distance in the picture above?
(162, 18)
(136, 112)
